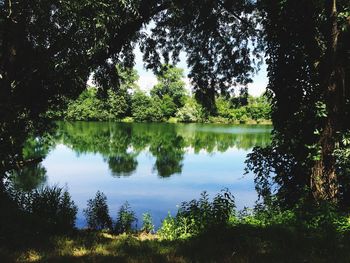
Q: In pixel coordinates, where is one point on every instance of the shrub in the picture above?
(52, 208)
(191, 112)
(168, 229)
(147, 224)
(197, 216)
(97, 213)
(125, 219)
(87, 107)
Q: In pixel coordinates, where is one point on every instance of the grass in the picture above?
(241, 243)
(202, 231)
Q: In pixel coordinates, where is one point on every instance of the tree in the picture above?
(141, 104)
(190, 112)
(170, 90)
(118, 100)
(87, 107)
(218, 38)
(308, 84)
(50, 48)
(111, 104)
(97, 213)
(170, 83)
(125, 219)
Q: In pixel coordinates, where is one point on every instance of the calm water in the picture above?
(153, 166)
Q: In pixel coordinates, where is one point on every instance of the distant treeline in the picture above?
(168, 101)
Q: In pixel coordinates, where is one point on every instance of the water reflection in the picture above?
(28, 177)
(121, 143)
(122, 165)
(139, 162)
(31, 174)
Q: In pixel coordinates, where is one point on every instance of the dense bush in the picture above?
(145, 108)
(198, 216)
(190, 112)
(161, 106)
(86, 107)
(47, 210)
(256, 109)
(53, 207)
(97, 213)
(92, 106)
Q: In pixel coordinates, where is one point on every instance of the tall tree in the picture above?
(170, 89)
(307, 46)
(219, 38)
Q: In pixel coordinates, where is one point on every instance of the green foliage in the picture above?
(223, 106)
(117, 104)
(144, 108)
(259, 108)
(256, 109)
(52, 207)
(141, 103)
(97, 213)
(170, 84)
(45, 211)
(147, 223)
(263, 216)
(90, 106)
(190, 112)
(109, 104)
(198, 216)
(125, 219)
(86, 107)
(310, 107)
(168, 99)
(168, 107)
(239, 115)
(169, 228)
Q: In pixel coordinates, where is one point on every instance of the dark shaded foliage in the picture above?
(97, 213)
(308, 72)
(38, 214)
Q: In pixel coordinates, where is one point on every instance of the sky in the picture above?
(148, 80)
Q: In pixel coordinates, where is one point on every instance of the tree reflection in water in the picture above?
(121, 143)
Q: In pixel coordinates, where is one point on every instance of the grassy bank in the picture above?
(203, 230)
(242, 243)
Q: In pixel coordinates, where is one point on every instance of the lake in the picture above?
(153, 166)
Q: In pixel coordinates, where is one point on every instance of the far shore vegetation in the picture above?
(167, 101)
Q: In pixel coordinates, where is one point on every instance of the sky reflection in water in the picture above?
(152, 166)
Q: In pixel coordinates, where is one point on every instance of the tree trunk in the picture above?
(324, 183)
